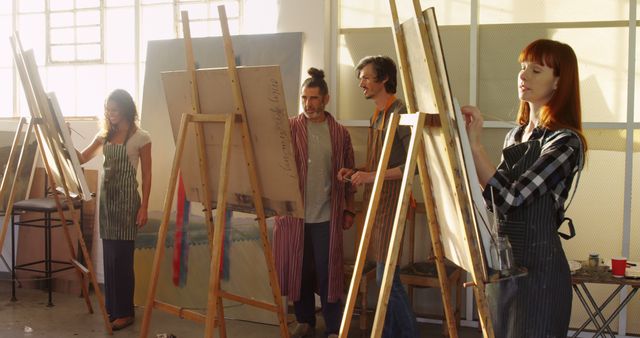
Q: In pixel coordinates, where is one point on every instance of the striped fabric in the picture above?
(383, 223)
(119, 198)
(288, 232)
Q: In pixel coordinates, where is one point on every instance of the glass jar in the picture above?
(502, 255)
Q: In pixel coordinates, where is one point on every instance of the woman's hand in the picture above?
(474, 122)
(141, 217)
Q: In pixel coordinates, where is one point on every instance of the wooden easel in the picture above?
(215, 312)
(43, 107)
(416, 155)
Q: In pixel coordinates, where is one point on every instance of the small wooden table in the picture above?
(601, 275)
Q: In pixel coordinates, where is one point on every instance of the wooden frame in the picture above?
(231, 120)
(61, 165)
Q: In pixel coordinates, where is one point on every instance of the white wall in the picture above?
(314, 19)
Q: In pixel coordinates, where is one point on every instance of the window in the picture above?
(74, 29)
(86, 48)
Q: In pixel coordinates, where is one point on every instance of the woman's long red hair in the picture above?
(563, 109)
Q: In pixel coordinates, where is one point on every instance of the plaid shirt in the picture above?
(553, 172)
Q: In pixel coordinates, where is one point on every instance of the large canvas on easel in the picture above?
(268, 122)
(51, 127)
(283, 49)
(452, 215)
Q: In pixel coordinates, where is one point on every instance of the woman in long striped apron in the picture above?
(122, 211)
(529, 188)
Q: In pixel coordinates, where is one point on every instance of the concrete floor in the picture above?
(69, 318)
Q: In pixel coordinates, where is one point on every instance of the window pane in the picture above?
(509, 11)
(231, 7)
(602, 62)
(89, 17)
(6, 7)
(234, 27)
(6, 58)
(119, 45)
(88, 52)
(63, 53)
(121, 76)
(88, 4)
(61, 5)
(61, 19)
(30, 6)
(204, 28)
(146, 2)
(32, 34)
(450, 12)
(157, 23)
(6, 97)
(63, 81)
(116, 3)
(88, 34)
(90, 95)
(62, 35)
(357, 13)
(260, 17)
(196, 10)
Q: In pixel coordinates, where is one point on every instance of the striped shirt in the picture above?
(560, 159)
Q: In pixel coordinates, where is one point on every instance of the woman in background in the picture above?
(123, 144)
(540, 158)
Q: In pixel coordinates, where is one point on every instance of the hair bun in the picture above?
(315, 73)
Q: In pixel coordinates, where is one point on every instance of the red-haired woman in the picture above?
(540, 159)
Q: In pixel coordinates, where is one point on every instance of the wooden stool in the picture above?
(47, 206)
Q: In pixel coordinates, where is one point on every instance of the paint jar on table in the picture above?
(594, 260)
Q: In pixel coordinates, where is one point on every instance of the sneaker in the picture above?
(302, 330)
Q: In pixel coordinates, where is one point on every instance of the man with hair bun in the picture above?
(308, 252)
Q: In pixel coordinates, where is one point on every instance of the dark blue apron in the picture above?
(537, 305)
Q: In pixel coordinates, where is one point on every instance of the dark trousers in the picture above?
(315, 272)
(400, 320)
(119, 279)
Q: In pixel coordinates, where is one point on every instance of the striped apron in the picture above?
(119, 198)
(538, 304)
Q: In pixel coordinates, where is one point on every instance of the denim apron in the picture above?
(537, 305)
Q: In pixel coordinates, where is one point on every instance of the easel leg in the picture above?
(218, 236)
(162, 231)
(222, 329)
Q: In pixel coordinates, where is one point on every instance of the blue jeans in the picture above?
(400, 320)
